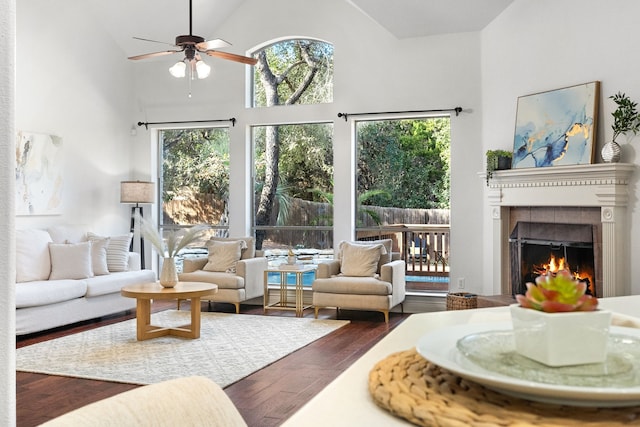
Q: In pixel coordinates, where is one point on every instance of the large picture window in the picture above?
(194, 180)
(403, 193)
(294, 188)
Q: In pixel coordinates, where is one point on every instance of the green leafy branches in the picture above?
(625, 118)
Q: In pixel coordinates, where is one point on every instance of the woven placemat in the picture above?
(421, 392)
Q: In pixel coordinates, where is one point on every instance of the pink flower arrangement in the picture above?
(557, 293)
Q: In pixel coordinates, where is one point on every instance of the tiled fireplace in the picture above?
(594, 195)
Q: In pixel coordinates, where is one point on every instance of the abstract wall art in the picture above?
(557, 127)
(38, 174)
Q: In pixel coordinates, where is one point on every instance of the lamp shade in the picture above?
(137, 192)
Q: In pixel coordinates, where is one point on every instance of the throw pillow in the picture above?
(70, 260)
(99, 263)
(360, 260)
(248, 251)
(388, 245)
(117, 251)
(33, 261)
(223, 256)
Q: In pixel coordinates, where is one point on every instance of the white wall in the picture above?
(539, 45)
(7, 227)
(373, 72)
(72, 82)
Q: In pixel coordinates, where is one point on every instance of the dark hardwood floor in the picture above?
(264, 398)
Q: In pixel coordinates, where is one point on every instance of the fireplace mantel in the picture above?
(602, 185)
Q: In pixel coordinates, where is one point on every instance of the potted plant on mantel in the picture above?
(625, 119)
(497, 160)
(557, 324)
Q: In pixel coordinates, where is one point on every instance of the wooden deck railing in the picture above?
(424, 247)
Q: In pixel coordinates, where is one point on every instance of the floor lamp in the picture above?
(137, 192)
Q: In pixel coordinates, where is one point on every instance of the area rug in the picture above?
(230, 347)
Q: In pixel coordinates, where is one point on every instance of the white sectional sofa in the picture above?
(66, 275)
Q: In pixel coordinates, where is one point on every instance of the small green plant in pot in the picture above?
(497, 160)
(625, 119)
(556, 323)
(557, 293)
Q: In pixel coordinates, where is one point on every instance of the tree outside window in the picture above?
(403, 193)
(294, 163)
(194, 176)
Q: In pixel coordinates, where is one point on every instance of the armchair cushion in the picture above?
(222, 279)
(360, 260)
(224, 255)
(248, 251)
(352, 285)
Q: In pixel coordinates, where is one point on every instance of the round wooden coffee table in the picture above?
(145, 292)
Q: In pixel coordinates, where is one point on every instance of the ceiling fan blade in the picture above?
(154, 54)
(232, 57)
(153, 41)
(213, 44)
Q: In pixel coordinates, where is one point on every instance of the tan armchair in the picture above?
(360, 282)
(238, 280)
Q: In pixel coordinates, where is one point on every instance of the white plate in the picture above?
(440, 347)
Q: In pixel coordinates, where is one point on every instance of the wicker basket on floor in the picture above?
(461, 301)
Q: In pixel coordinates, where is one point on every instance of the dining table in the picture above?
(347, 401)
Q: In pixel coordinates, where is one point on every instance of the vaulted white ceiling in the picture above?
(417, 18)
(162, 20)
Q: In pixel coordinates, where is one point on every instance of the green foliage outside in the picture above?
(401, 163)
(406, 161)
(195, 161)
(302, 70)
(306, 159)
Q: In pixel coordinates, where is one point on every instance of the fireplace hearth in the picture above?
(537, 248)
(595, 194)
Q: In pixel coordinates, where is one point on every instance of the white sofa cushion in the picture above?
(117, 251)
(70, 260)
(44, 292)
(68, 233)
(33, 261)
(99, 263)
(112, 283)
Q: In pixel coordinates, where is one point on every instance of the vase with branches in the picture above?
(169, 247)
(625, 119)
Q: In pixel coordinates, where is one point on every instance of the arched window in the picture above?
(293, 162)
(294, 71)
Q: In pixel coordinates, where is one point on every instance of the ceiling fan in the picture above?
(192, 46)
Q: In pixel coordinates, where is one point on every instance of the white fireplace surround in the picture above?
(599, 185)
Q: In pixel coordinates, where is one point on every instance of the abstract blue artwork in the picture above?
(557, 127)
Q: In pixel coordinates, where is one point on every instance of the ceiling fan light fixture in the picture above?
(203, 69)
(178, 70)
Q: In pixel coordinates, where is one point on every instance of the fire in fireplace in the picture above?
(540, 248)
